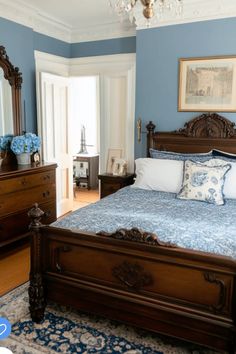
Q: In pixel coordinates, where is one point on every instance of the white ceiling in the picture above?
(74, 13)
(85, 20)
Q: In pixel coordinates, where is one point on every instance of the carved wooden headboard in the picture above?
(200, 134)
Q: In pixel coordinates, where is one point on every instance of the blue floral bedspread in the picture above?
(189, 224)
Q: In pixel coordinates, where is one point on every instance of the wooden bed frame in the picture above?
(132, 277)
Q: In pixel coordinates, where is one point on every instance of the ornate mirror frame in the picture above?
(14, 77)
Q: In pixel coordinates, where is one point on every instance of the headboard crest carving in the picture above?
(201, 134)
(209, 125)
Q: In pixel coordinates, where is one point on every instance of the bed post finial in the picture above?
(150, 131)
(36, 289)
(35, 215)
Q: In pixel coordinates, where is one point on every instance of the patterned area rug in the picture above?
(66, 330)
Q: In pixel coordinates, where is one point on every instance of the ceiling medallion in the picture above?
(148, 8)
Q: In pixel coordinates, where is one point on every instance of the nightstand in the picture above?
(110, 183)
(86, 170)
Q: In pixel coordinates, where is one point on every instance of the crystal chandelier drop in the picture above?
(149, 8)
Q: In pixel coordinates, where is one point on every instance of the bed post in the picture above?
(36, 290)
(150, 131)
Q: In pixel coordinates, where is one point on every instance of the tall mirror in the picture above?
(10, 96)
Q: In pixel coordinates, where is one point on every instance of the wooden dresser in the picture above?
(20, 188)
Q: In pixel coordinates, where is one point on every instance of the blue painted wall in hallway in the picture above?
(105, 47)
(158, 52)
(51, 45)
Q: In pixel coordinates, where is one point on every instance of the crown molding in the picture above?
(103, 31)
(194, 11)
(28, 16)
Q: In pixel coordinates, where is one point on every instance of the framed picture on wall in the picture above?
(207, 84)
(112, 155)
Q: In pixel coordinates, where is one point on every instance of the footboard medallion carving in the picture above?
(211, 278)
(137, 235)
(132, 276)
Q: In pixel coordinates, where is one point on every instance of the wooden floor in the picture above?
(83, 197)
(14, 269)
(15, 265)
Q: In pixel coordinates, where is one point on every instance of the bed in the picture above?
(133, 274)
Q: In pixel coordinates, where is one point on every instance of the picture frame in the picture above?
(112, 154)
(207, 84)
(35, 158)
(119, 167)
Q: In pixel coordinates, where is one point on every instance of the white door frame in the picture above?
(98, 66)
(105, 67)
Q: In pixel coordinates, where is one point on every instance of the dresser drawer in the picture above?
(28, 181)
(18, 224)
(13, 202)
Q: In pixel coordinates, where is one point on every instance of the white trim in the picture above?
(51, 63)
(98, 65)
(194, 11)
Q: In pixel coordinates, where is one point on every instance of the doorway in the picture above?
(115, 82)
(85, 120)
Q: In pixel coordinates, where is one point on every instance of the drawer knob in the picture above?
(46, 177)
(24, 182)
(46, 194)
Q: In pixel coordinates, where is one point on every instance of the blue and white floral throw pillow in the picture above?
(204, 183)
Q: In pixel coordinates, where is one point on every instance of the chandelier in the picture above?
(149, 8)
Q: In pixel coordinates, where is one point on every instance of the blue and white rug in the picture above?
(66, 330)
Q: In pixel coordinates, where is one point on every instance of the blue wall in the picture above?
(105, 47)
(51, 45)
(158, 52)
(20, 43)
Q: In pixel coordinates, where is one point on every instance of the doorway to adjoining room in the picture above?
(84, 96)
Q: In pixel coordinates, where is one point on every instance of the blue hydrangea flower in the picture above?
(28, 142)
(5, 141)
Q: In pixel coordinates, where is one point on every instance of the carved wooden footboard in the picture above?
(132, 277)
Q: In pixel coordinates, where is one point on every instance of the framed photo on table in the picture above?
(119, 167)
(112, 154)
(207, 84)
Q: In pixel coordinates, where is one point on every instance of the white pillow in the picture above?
(159, 174)
(204, 183)
(229, 189)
